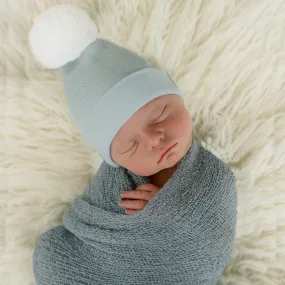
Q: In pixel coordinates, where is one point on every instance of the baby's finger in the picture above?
(133, 204)
(137, 194)
(148, 187)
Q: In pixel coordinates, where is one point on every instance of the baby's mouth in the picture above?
(166, 152)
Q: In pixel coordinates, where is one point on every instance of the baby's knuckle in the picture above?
(141, 203)
(141, 194)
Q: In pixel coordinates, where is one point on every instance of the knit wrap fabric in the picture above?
(184, 235)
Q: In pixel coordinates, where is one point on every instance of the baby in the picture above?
(127, 110)
(180, 199)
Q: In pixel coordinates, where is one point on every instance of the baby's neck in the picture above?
(160, 178)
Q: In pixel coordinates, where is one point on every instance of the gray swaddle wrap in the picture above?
(184, 235)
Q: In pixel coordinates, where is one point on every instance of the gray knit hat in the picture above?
(104, 83)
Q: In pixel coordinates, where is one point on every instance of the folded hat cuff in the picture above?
(100, 125)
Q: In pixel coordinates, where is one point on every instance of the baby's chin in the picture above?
(145, 170)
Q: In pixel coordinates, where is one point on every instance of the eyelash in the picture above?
(136, 148)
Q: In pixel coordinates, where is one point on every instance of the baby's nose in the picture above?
(153, 140)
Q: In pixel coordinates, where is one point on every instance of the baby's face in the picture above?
(153, 129)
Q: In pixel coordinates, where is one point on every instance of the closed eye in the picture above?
(128, 150)
(160, 115)
(136, 142)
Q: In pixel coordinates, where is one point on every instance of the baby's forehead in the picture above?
(162, 98)
(152, 108)
(158, 101)
(152, 105)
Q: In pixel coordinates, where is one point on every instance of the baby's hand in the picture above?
(142, 195)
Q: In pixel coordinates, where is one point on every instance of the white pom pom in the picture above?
(60, 34)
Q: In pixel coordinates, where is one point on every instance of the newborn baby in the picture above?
(158, 135)
(180, 199)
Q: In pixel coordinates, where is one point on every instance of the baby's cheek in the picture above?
(183, 124)
(176, 125)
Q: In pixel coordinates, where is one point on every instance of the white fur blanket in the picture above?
(228, 58)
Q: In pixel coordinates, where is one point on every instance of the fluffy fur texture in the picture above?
(227, 57)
